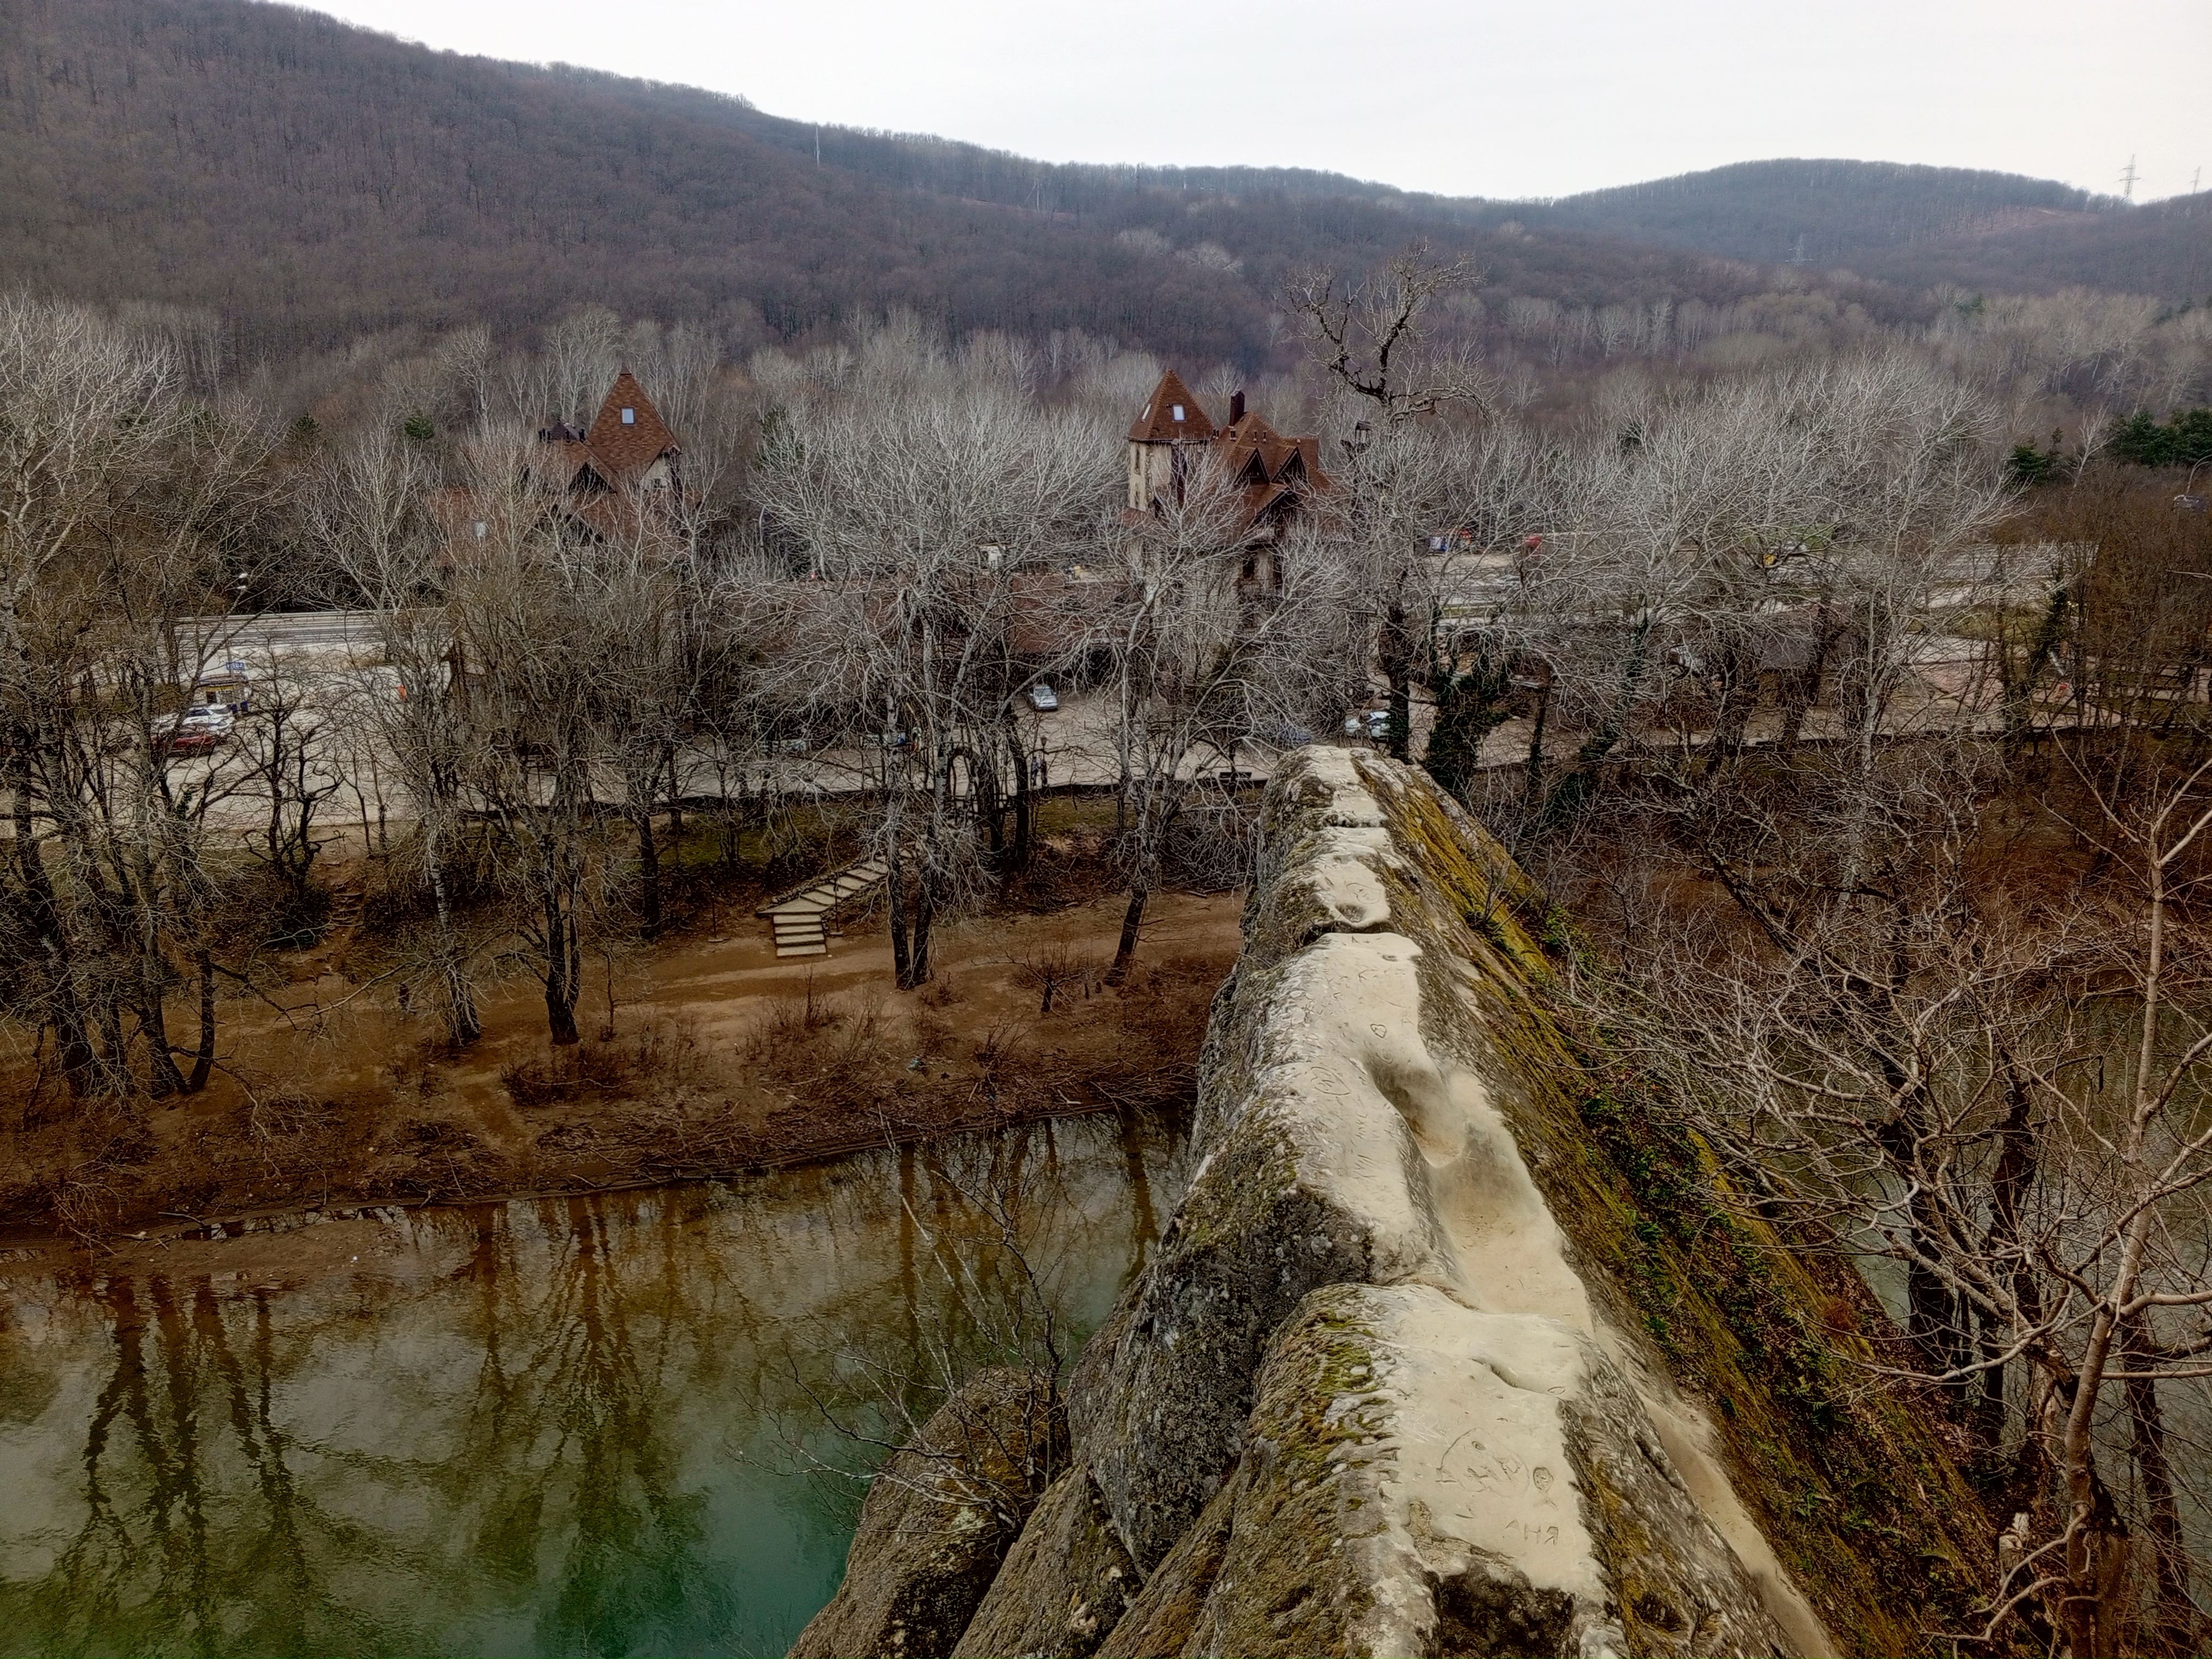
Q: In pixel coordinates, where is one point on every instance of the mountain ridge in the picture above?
(311, 181)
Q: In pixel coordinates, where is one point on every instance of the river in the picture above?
(628, 1424)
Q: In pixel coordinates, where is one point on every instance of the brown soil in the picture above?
(702, 1055)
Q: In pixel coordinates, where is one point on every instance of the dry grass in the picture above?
(700, 1071)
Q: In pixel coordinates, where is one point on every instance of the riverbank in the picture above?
(607, 1423)
(703, 1057)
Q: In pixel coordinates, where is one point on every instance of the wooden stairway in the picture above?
(799, 922)
(343, 915)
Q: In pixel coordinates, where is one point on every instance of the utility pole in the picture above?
(2128, 180)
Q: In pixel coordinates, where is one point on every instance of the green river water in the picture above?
(575, 1426)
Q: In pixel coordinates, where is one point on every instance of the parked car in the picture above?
(1044, 698)
(198, 730)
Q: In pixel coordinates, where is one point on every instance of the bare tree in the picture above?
(1368, 336)
(287, 754)
(1207, 661)
(933, 497)
(1400, 480)
(370, 509)
(532, 605)
(1797, 527)
(1052, 967)
(1995, 1086)
(116, 502)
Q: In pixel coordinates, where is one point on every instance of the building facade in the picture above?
(1276, 477)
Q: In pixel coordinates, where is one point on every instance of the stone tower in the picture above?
(1170, 427)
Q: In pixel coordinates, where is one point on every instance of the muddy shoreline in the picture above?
(708, 1057)
(44, 1249)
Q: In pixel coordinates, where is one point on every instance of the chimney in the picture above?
(1235, 407)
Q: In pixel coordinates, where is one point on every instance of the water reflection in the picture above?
(572, 1426)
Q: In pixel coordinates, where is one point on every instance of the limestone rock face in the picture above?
(1064, 1586)
(1371, 1396)
(1340, 1145)
(1420, 1478)
(939, 1520)
(1310, 1179)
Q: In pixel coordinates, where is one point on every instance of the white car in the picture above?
(1043, 698)
(198, 730)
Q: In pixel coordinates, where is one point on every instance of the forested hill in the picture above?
(2164, 248)
(1912, 225)
(310, 181)
(1821, 213)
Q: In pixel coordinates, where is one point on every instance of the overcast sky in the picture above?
(1538, 98)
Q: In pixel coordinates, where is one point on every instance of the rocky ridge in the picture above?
(1428, 1360)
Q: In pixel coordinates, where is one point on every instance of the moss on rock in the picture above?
(1063, 1587)
(1849, 1481)
(939, 1518)
(1437, 1243)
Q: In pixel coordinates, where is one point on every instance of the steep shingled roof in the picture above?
(1159, 424)
(1274, 475)
(571, 459)
(631, 445)
(1281, 459)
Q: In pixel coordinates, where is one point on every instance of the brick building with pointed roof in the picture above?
(626, 464)
(1276, 477)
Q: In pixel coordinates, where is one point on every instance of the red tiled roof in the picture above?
(1159, 424)
(630, 446)
(1261, 499)
(571, 459)
(1270, 469)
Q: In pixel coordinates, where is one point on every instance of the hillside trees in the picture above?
(2184, 440)
(933, 498)
(1205, 660)
(1994, 1087)
(1929, 994)
(117, 498)
(2035, 356)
